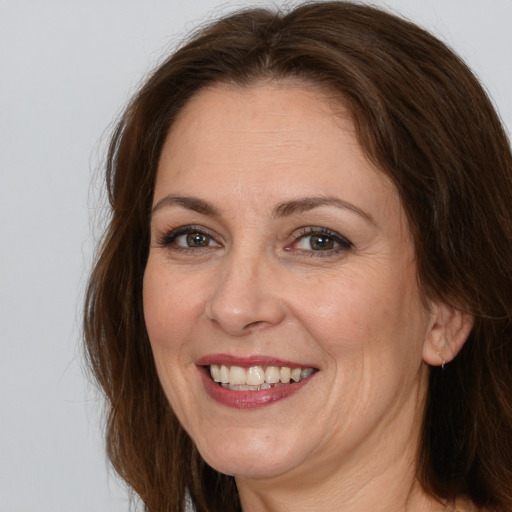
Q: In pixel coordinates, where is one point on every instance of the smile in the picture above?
(257, 378)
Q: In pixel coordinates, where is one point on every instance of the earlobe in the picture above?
(447, 332)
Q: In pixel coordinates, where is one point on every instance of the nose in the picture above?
(245, 297)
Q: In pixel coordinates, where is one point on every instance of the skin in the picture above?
(348, 439)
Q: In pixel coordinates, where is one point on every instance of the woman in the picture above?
(303, 300)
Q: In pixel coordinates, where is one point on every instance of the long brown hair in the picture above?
(424, 120)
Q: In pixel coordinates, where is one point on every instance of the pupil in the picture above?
(321, 242)
(197, 240)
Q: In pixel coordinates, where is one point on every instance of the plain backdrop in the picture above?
(67, 67)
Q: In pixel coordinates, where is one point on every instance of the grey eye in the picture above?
(192, 240)
(321, 242)
(197, 240)
(317, 242)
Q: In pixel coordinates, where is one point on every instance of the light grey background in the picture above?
(66, 69)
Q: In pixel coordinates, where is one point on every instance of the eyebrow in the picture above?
(284, 209)
(190, 203)
(309, 203)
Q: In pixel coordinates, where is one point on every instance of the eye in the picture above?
(193, 240)
(316, 239)
(188, 238)
(317, 242)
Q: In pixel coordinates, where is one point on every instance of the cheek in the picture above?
(372, 328)
(171, 306)
(367, 317)
(169, 314)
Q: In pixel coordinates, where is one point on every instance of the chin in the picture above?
(252, 455)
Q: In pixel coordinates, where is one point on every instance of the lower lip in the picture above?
(248, 399)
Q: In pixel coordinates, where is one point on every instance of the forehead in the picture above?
(252, 103)
(263, 118)
(263, 114)
(282, 139)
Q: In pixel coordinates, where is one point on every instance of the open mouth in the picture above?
(257, 378)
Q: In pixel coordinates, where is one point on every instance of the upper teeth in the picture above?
(257, 375)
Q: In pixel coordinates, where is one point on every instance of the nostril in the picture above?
(254, 325)
(241, 329)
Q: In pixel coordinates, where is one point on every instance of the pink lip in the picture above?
(248, 399)
(247, 362)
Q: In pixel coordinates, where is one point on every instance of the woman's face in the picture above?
(277, 246)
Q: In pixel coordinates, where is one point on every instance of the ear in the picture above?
(447, 333)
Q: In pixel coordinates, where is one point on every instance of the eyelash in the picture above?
(168, 240)
(343, 243)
